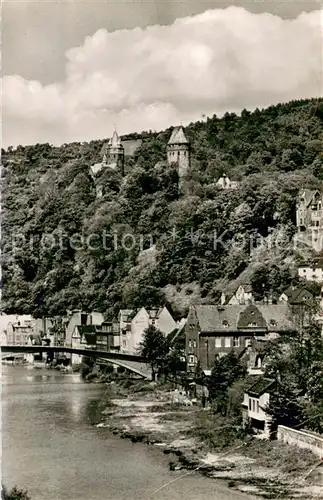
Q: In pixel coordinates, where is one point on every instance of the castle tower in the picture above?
(114, 155)
(178, 151)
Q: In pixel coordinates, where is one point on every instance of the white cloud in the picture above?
(151, 78)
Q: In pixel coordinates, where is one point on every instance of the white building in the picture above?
(309, 218)
(224, 182)
(311, 271)
(241, 295)
(256, 399)
(133, 324)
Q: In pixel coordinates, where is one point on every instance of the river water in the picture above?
(51, 447)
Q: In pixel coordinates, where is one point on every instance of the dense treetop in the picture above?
(49, 197)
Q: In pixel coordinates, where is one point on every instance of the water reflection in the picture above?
(50, 447)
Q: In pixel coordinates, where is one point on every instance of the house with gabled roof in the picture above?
(309, 218)
(240, 294)
(296, 296)
(216, 330)
(256, 399)
(133, 323)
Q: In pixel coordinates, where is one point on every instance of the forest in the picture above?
(142, 243)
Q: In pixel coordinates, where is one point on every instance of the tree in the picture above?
(14, 494)
(225, 371)
(296, 363)
(154, 347)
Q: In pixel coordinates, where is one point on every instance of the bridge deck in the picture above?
(131, 362)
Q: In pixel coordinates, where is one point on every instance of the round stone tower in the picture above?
(178, 151)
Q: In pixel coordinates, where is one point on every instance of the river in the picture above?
(51, 447)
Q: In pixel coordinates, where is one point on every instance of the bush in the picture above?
(14, 494)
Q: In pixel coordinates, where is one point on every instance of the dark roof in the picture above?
(261, 386)
(90, 338)
(237, 317)
(87, 329)
(307, 195)
(299, 296)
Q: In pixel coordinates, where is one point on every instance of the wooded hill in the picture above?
(48, 191)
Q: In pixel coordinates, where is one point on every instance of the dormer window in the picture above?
(225, 323)
(252, 325)
(273, 322)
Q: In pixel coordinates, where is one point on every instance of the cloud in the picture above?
(151, 78)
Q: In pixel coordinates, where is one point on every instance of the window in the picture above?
(253, 405)
(218, 342)
(225, 323)
(124, 343)
(257, 406)
(227, 342)
(194, 343)
(249, 404)
(191, 359)
(248, 342)
(190, 343)
(273, 322)
(236, 341)
(250, 325)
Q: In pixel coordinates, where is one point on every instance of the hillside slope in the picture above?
(49, 198)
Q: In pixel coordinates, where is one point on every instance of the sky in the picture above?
(72, 70)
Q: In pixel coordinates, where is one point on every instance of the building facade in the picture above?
(311, 271)
(80, 318)
(134, 323)
(19, 330)
(216, 330)
(309, 218)
(256, 400)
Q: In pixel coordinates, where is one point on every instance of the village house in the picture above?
(256, 400)
(83, 337)
(296, 296)
(309, 218)
(108, 336)
(212, 330)
(18, 330)
(134, 323)
(224, 182)
(241, 294)
(311, 271)
(80, 318)
(104, 337)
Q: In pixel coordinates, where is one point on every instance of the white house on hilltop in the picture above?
(224, 182)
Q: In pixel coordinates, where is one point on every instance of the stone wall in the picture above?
(302, 439)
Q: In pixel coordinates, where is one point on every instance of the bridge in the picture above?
(132, 362)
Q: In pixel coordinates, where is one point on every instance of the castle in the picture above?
(178, 154)
(113, 156)
(309, 218)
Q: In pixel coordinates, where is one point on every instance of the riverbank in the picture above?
(197, 440)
